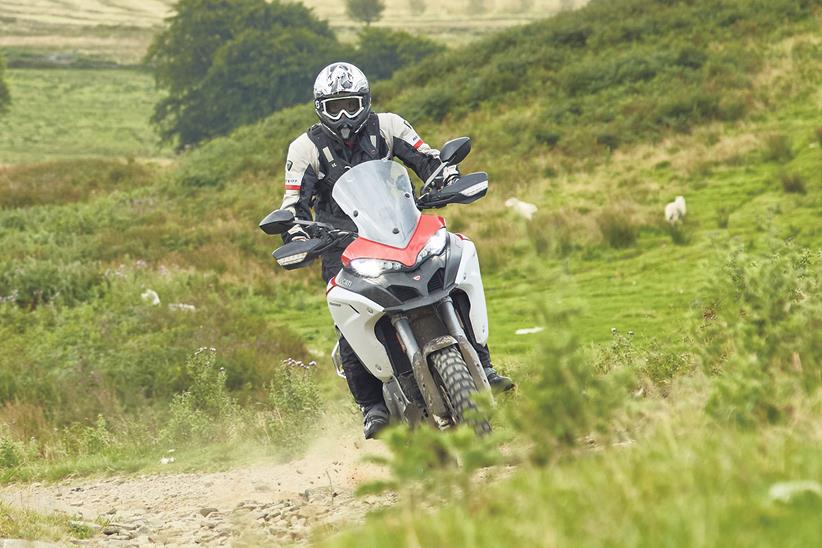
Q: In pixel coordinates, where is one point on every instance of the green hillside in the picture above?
(677, 377)
(58, 113)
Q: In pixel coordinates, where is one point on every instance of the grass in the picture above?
(28, 525)
(69, 113)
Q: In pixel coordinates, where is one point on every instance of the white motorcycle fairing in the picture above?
(356, 316)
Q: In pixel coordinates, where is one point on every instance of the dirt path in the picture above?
(262, 504)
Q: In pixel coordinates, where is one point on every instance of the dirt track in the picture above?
(264, 504)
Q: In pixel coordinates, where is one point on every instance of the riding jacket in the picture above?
(317, 159)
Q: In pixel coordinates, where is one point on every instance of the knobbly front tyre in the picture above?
(457, 387)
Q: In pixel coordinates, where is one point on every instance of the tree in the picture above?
(382, 51)
(225, 63)
(5, 96)
(366, 11)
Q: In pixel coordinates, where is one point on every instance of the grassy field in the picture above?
(63, 113)
(675, 387)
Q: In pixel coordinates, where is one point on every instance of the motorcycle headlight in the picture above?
(434, 246)
(371, 268)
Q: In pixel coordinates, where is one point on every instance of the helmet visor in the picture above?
(336, 106)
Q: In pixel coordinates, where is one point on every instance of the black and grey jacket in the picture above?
(316, 161)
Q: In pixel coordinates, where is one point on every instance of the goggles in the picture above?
(336, 106)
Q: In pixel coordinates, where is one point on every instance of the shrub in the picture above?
(32, 283)
(205, 411)
(761, 335)
(778, 148)
(723, 215)
(617, 227)
(293, 403)
(433, 103)
(11, 455)
(366, 11)
(608, 140)
(546, 136)
(793, 183)
(68, 181)
(5, 96)
(381, 52)
(568, 398)
(679, 233)
(552, 234)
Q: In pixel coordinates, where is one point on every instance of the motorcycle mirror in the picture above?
(467, 189)
(297, 254)
(455, 150)
(277, 222)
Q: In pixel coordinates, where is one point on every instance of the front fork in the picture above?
(419, 356)
(449, 316)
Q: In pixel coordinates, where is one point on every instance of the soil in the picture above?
(264, 504)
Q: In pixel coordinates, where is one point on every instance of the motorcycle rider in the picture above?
(347, 134)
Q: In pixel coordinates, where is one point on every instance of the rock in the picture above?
(126, 526)
(110, 530)
(205, 512)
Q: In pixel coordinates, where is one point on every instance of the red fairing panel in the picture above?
(361, 248)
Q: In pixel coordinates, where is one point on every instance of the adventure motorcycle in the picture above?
(409, 298)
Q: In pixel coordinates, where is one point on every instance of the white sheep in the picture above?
(523, 209)
(675, 211)
(150, 296)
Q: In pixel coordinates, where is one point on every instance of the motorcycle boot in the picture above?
(375, 419)
(499, 383)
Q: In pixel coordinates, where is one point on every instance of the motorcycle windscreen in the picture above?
(378, 197)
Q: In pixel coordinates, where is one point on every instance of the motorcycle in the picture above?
(409, 298)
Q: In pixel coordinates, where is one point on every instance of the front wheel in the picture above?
(457, 386)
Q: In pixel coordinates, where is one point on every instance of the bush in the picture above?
(778, 148)
(381, 52)
(608, 140)
(567, 398)
(68, 181)
(547, 137)
(552, 234)
(5, 96)
(293, 404)
(761, 335)
(11, 455)
(723, 215)
(366, 11)
(32, 283)
(205, 411)
(793, 183)
(617, 227)
(679, 232)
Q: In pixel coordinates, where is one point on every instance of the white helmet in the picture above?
(342, 98)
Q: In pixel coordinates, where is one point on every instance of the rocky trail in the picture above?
(264, 504)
